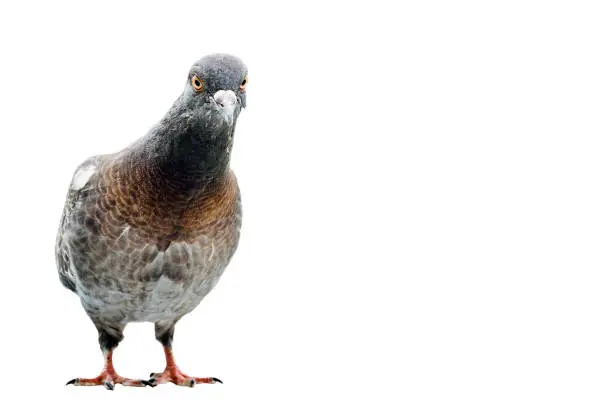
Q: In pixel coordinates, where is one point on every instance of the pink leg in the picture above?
(108, 377)
(172, 374)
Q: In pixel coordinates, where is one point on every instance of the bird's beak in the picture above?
(227, 101)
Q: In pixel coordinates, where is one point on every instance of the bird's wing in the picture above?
(81, 179)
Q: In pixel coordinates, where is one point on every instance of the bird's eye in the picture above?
(197, 83)
(244, 83)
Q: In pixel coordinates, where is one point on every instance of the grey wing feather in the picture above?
(80, 179)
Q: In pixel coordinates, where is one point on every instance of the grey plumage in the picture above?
(147, 232)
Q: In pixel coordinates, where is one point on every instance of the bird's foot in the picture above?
(174, 375)
(108, 380)
(109, 377)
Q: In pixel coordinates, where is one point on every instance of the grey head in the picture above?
(194, 139)
(217, 79)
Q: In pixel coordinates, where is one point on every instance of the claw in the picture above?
(172, 374)
(108, 377)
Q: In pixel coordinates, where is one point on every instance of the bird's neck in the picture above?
(184, 153)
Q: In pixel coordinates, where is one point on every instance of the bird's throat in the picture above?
(188, 156)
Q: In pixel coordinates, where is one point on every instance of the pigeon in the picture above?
(147, 232)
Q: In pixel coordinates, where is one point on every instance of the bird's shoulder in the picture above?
(84, 173)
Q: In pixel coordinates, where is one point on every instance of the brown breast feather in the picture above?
(157, 210)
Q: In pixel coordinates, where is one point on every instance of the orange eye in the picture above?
(244, 83)
(197, 84)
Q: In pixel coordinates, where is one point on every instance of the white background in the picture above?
(426, 188)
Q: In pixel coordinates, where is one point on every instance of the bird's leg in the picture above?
(108, 377)
(109, 336)
(164, 332)
(172, 374)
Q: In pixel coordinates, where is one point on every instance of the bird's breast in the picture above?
(141, 251)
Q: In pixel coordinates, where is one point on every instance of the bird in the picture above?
(146, 232)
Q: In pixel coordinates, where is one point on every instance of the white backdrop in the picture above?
(426, 189)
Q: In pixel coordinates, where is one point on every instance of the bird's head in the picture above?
(216, 89)
(195, 138)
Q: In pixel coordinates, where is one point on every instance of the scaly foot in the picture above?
(172, 374)
(108, 378)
